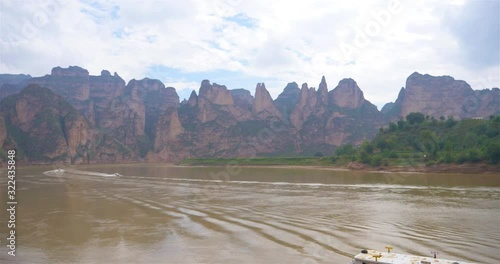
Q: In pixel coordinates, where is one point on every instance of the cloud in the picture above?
(242, 20)
(239, 43)
(476, 26)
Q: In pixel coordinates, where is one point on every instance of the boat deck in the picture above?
(374, 256)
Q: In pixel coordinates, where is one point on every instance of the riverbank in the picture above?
(302, 163)
(327, 164)
(468, 168)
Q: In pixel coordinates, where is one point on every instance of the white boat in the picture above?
(377, 257)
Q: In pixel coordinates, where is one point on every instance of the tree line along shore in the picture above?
(416, 143)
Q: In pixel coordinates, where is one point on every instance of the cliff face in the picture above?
(156, 99)
(286, 101)
(216, 94)
(263, 105)
(444, 96)
(90, 95)
(485, 103)
(220, 122)
(328, 119)
(79, 118)
(304, 107)
(103, 92)
(125, 117)
(71, 83)
(242, 99)
(347, 94)
(44, 127)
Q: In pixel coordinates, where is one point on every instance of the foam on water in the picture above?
(317, 185)
(61, 172)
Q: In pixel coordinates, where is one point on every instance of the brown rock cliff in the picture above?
(444, 96)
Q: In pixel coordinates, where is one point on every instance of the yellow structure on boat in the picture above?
(377, 257)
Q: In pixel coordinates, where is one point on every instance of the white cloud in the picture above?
(286, 41)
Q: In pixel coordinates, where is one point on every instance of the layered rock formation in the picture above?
(443, 96)
(286, 101)
(347, 94)
(326, 119)
(127, 124)
(82, 118)
(124, 117)
(204, 125)
(263, 105)
(305, 106)
(44, 127)
(242, 98)
(72, 83)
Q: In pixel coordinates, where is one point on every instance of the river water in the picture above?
(162, 214)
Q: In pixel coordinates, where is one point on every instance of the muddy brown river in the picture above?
(161, 214)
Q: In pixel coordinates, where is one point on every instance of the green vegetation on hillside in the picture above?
(416, 140)
(422, 139)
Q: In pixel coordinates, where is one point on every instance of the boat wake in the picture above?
(60, 172)
(261, 221)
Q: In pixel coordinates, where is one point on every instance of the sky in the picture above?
(239, 43)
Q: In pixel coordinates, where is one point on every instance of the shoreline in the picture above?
(466, 168)
(359, 167)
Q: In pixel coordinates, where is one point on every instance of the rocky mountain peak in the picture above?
(416, 75)
(304, 86)
(307, 97)
(291, 88)
(305, 106)
(193, 99)
(72, 83)
(286, 101)
(105, 73)
(205, 87)
(106, 86)
(323, 92)
(443, 96)
(131, 82)
(210, 98)
(440, 82)
(143, 120)
(216, 94)
(263, 101)
(323, 85)
(347, 94)
(149, 85)
(70, 71)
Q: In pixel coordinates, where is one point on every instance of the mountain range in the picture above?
(70, 116)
